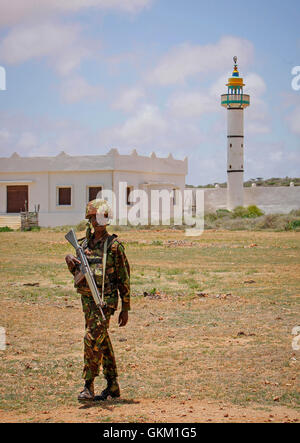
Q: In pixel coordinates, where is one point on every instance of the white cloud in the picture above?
(36, 32)
(76, 88)
(255, 84)
(18, 11)
(188, 60)
(257, 118)
(266, 160)
(151, 129)
(129, 99)
(142, 128)
(61, 43)
(191, 104)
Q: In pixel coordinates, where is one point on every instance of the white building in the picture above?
(62, 185)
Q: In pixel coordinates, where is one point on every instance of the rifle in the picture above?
(86, 271)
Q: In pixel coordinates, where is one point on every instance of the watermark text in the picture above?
(2, 79)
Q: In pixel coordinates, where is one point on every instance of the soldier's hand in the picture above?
(123, 318)
(71, 261)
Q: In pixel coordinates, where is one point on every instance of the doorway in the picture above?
(17, 199)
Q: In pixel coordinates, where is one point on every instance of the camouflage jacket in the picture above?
(117, 273)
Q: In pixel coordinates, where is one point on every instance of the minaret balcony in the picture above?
(235, 100)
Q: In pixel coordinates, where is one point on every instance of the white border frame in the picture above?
(57, 196)
(92, 186)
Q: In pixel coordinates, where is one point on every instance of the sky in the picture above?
(85, 76)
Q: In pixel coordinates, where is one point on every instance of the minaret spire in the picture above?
(235, 101)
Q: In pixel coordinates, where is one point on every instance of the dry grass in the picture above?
(215, 352)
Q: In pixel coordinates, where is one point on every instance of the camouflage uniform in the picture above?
(97, 345)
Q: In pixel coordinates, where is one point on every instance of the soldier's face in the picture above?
(97, 223)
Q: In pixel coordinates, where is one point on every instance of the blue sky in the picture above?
(87, 75)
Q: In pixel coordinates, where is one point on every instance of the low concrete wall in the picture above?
(215, 198)
(281, 199)
(50, 220)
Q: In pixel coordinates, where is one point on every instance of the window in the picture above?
(242, 145)
(64, 196)
(230, 167)
(93, 192)
(231, 145)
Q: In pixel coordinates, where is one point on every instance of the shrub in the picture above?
(6, 229)
(223, 213)
(276, 222)
(295, 212)
(210, 217)
(251, 211)
(254, 211)
(293, 225)
(240, 211)
(239, 224)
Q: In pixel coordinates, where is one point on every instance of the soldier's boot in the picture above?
(112, 390)
(88, 393)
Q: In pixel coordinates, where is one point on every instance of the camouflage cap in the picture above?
(101, 209)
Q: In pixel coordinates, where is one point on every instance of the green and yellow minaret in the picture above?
(235, 101)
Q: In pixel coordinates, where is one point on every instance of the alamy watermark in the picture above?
(2, 79)
(296, 339)
(2, 339)
(296, 79)
(152, 207)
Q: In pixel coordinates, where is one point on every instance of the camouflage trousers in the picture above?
(98, 349)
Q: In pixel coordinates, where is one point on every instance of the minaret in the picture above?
(235, 101)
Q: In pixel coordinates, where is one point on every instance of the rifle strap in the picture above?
(104, 266)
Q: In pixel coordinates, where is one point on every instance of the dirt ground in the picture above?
(210, 342)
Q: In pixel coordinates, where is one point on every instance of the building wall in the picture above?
(147, 181)
(46, 174)
(43, 191)
(281, 199)
(37, 191)
(80, 181)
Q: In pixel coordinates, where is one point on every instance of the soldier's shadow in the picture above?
(108, 404)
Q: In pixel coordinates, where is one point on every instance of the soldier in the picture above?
(97, 345)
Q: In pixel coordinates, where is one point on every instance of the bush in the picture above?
(223, 213)
(271, 221)
(240, 211)
(6, 229)
(35, 229)
(251, 211)
(210, 217)
(254, 211)
(293, 225)
(295, 212)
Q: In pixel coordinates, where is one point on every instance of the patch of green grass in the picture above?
(174, 271)
(156, 243)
